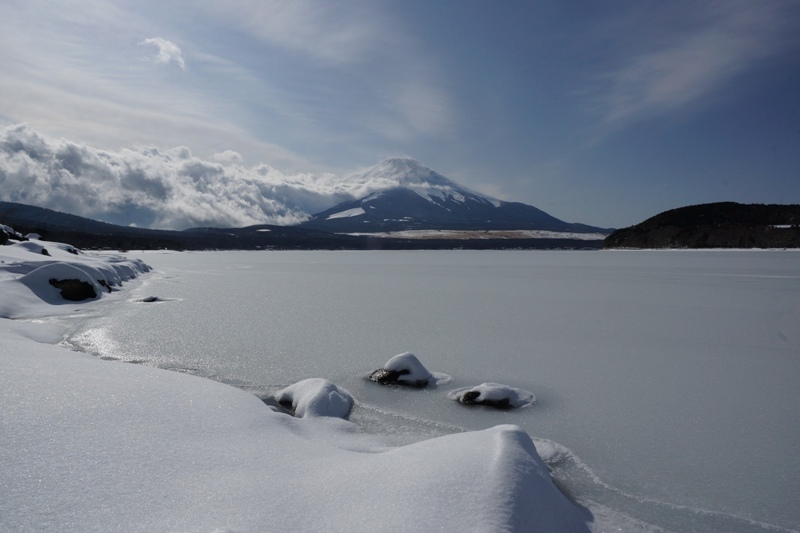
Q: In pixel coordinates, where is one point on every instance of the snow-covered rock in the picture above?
(406, 369)
(493, 395)
(315, 397)
(26, 274)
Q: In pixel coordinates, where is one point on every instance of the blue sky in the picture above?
(604, 113)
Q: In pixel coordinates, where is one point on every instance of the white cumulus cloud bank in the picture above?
(168, 52)
(160, 188)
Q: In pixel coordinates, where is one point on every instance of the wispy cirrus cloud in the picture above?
(167, 51)
(332, 33)
(364, 43)
(709, 44)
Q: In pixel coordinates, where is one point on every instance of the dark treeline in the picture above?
(717, 225)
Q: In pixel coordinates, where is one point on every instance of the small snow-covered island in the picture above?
(95, 445)
(406, 369)
(493, 395)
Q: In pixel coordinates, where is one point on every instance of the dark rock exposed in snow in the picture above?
(395, 377)
(473, 398)
(74, 290)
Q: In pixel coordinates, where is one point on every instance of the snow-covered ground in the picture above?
(488, 234)
(94, 445)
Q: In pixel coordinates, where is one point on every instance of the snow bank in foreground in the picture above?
(493, 395)
(93, 445)
(315, 397)
(26, 271)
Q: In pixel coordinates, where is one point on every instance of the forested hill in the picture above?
(717, 225)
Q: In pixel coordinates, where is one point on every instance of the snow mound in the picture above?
(493, 395)
(409, 362)
(406, 369)
(27, 268)
(42, 282)
(316, 397)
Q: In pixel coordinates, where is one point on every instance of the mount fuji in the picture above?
(418, 198)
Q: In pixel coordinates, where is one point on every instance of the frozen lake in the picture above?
(670, 378)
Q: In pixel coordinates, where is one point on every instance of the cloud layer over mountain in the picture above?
(167, 189)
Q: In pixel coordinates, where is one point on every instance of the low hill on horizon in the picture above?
(715, 225)
(87, 233)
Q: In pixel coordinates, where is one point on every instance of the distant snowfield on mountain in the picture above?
(428, 184)
(348, 213)
(414, 199)
(486, 234)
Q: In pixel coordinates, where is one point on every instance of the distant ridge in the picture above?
(87, 233)
(715, 225)
(419, 198)
(91, 234)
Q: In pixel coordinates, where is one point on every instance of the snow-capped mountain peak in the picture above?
(412, 175)
(407, 195)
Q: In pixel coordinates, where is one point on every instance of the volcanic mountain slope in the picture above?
(418, 198)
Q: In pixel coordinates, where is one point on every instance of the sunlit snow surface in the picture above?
(665, 381)
(89, 445)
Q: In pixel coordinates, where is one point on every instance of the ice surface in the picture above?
(638, 359)
(91, 445)
(316, 397)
